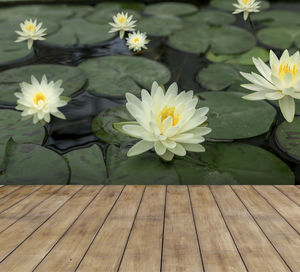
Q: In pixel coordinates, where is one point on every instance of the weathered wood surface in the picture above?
(150, 228)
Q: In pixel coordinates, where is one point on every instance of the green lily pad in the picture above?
(116, 75)
(78, 30)
(233, 163)
(146, 168)
(297, 41)
(227, 75)
(12, 51)
(80, 11)
(227, 4)
(87, 165)
(22, 131)
(73, 79)
(287, 137)
(103, 125)
(223, 40)
(277, 18)
(160, 25)
(275, 37)
(244, 58)
(32, 164)
(170, 8)
(210, 17)
(231, 117)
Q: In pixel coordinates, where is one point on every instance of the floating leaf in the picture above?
(233, 163)
(227, 4)
(22, 131)
(170, 8)
(146, 168)
(210, 17)
(244, 58)
(87, 165)
(116, 75)
(288, 138)
(12, 51)
(72, 77)
(231, 117)
(32, 164)
(277, 18)
(104, 129)
(160, 25)
(275, 37)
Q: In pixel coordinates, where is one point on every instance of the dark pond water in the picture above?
(76, 131)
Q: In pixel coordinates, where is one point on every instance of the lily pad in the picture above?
(227, 75)
(116, 75)
(87, 165)
(73, 79)
(12, 51)
(227, 4)
(288, 138)
(170, 8)
(22, 131)
(103, 125)
(275, 37)
(231, 117)
(160, 25)
(233, 163)
(277, 18)
(244, 58)
(223, 40)
(32, 164)
(146, 168)
(78, 30)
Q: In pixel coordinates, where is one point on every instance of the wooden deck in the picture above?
(152, 228)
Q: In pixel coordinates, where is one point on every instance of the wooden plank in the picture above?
(17, 196)
(1, 185)
(11, 215)
(18, 232)
(42, 240)
(292, 192)
(143, 252)
(79, 236)
(107, 248)
(180, 249)
(6, 190)
(284, 238)
(287, 208)
(256, 250)
(217, 246)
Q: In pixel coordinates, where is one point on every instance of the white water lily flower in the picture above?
(246, 6)
(31, 31)
(122, 23)
(279, 81)
(169, 122)
(39, 100)
(137, 41)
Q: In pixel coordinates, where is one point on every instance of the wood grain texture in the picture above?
(13, 214)
(287, 208)
(217, 246)
(143, 252)
(256, 250)
(6, 190)
(18, 232)
(107, 248)
(292, 192)
(16, 196)
(78, 237)
(181, 249)
(284, 238)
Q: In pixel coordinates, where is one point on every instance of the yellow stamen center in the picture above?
(30, 27)
(169, 111)
(122, 19)
(136, 40)
(287, 69)
(246, 1)
(39, 97)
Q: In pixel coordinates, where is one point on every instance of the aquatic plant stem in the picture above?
(251, 24)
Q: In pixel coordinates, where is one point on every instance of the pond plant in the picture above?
(98, 77)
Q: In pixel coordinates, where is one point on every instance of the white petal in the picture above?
(168, 156)
(287, 107)
(194, 147)
(139, 148)
(134, 131)
(255, 96)
(274, 95)
(178, 150)
(160, 149)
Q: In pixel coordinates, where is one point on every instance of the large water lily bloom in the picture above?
(122, 23)
(39, 100)
(137, 41)
(169, 122)
(279, 81)
(246, 6)
(31, 31)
